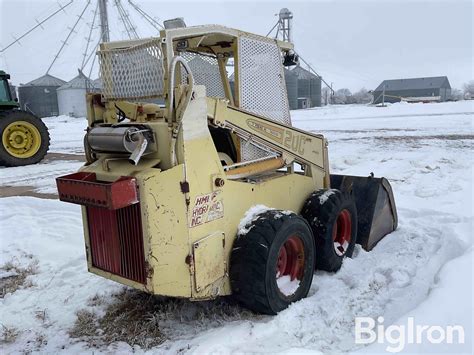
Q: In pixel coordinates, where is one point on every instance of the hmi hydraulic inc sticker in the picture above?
(207, 208)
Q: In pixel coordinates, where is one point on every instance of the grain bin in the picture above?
(39, 96)
(309, 86)
(72, 96)
(291, 88)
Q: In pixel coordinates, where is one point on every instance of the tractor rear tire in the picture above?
(272, 265)
(332, 215)
(24, 138)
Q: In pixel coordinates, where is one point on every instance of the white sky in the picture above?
(351, 43)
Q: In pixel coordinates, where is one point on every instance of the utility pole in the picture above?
(332, 95)
(104, 21)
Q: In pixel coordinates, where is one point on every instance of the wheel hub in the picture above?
(290, 265)
(21, 139)
(342, 232)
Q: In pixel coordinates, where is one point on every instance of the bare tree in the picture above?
(456, 95)
(469, 90)
(362, 96)
(342, 96)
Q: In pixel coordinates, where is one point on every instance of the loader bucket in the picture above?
(376, 211)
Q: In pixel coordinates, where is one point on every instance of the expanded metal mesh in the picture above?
(261, 79)
(261, 85)
(132, 73)
(206, 72)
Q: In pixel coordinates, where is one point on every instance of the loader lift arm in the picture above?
(288, 143)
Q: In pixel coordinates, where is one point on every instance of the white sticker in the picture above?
(207, 208)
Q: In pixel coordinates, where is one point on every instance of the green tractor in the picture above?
(25, 138)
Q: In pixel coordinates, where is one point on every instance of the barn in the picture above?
(413, 90)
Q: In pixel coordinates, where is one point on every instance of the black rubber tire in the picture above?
(254, 260)
(8, 117)
(321, 214)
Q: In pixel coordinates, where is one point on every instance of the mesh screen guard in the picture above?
(206, 72)
(132, 73)
(261, 85)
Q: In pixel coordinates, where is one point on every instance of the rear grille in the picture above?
(116, 241)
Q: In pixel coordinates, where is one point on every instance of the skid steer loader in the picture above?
(213, 193)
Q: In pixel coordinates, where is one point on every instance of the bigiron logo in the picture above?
(398, 335)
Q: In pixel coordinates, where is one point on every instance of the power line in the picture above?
(92, 52)
(127, 23)
(17, 40)
(93, 61)
(69, 35)
(89, 37)
(147, 17)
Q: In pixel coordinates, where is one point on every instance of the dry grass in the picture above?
(141, 319)
(17, 275)
(8, 334)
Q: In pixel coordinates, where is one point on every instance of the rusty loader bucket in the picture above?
(376, 211)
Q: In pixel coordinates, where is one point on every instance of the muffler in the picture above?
(376, 210)
(126, 139)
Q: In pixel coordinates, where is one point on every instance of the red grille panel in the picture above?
(116, 241)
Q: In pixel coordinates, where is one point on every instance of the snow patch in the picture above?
(324, 197)
(286, 286)
(412, 272)
(252, 215)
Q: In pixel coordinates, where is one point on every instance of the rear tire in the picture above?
(332, 215)
(24, 138)
(272, 265)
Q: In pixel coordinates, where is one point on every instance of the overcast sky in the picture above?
(353, 44)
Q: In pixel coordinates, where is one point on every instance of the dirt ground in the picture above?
(8, 191)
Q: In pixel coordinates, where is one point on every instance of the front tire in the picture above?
(332, 215)
(25, 138)
(272, 265)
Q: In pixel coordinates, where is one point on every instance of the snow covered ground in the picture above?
(423, 270)
(66, 137)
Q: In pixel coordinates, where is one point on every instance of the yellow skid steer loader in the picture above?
(195, 190)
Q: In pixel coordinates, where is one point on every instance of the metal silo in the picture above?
(304, 88)
(39, 96)
(292, 88)
(309, 86)
(95, 86)
(72, 96)
(315, 91)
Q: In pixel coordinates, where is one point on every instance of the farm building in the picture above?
(39, 96)
(72, 96)
(413, 90)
